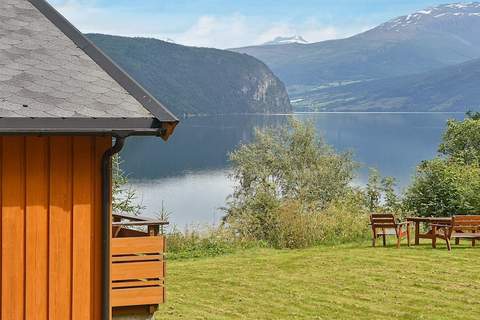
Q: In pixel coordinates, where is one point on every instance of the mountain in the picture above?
(286, 40)
(192, 80)
(423, 41)
(453, 88)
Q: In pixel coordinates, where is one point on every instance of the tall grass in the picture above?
(292, 225)
(289, 226)
(203, 241)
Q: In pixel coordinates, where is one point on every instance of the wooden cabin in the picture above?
(65, 110)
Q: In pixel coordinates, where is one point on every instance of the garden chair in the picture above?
(385, 224)
(462, 227)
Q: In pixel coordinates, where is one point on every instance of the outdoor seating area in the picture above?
(384, 225)
(138, 264)
(458, 227)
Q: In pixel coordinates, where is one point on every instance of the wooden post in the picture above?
(408, 234)
(417, 233)
(384, 238)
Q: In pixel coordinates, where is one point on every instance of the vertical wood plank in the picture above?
(37, 190)
(83, 227)
(60, 246)
(1, 218)
(101, 145)
(13, 231)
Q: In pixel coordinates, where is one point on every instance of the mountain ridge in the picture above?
(376, 53)
(190, 80)
(449, 89)
(426, 40)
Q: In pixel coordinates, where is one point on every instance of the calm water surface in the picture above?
(189, 174)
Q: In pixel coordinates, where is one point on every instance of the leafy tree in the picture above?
(282, 165)
(444, 188)
(392, 203)
(461, 140)
(473, 115)
(291, 163)
(380, 193)
(374, 190)
(451, 184)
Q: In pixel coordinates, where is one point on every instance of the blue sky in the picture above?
(227, 24)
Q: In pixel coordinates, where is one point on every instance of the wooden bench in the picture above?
(385, 224)
(461, 227)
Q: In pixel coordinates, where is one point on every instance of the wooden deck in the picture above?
(138, 263)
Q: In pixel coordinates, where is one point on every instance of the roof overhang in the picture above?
(88, 126)
(162, 123)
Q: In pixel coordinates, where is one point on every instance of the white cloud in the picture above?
(229, 31)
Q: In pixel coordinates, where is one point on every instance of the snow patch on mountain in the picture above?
(287, 40)
(471, 9)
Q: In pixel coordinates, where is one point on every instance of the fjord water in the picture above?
(189, 174)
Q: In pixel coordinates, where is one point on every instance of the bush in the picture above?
(380, 195)
(282, 178)
(461, 140)
(444, 188)
(293, 226)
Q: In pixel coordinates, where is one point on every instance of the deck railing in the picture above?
(138, 262)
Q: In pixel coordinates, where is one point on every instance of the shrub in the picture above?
(292, 225)
(461, 140)
(281, 168)
(444, 188)
(195, 242)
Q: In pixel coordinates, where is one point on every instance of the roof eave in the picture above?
(88, 126)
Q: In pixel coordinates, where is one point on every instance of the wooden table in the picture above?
(418, 220)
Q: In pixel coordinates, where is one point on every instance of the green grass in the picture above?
(331, 282)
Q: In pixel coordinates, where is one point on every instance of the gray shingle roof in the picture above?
(49, 70)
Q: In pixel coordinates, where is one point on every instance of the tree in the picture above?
(290, 163)
(461, 140)
(123, 195)
(443, 188)
(282, 166)
(374, 190)
(380, 193)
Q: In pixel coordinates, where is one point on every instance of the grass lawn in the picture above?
(331, 282)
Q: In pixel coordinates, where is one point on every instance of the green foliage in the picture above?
(123, 196)
(380, 195)
(392, 203)
(444, 188)
(290, 163)
(287, 179)
(461, 141)
(450, 185)
(475, 115)
(374, 190)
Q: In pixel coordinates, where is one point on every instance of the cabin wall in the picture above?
(50, 227)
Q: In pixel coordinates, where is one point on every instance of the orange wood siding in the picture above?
(50, 227)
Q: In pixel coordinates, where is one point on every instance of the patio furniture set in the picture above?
(458, 227)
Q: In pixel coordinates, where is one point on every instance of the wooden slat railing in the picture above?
(138, 262)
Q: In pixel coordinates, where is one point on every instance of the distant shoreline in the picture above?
(319, 112)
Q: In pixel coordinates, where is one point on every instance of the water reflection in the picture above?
(189, 172)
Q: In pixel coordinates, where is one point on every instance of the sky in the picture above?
(230, 24)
